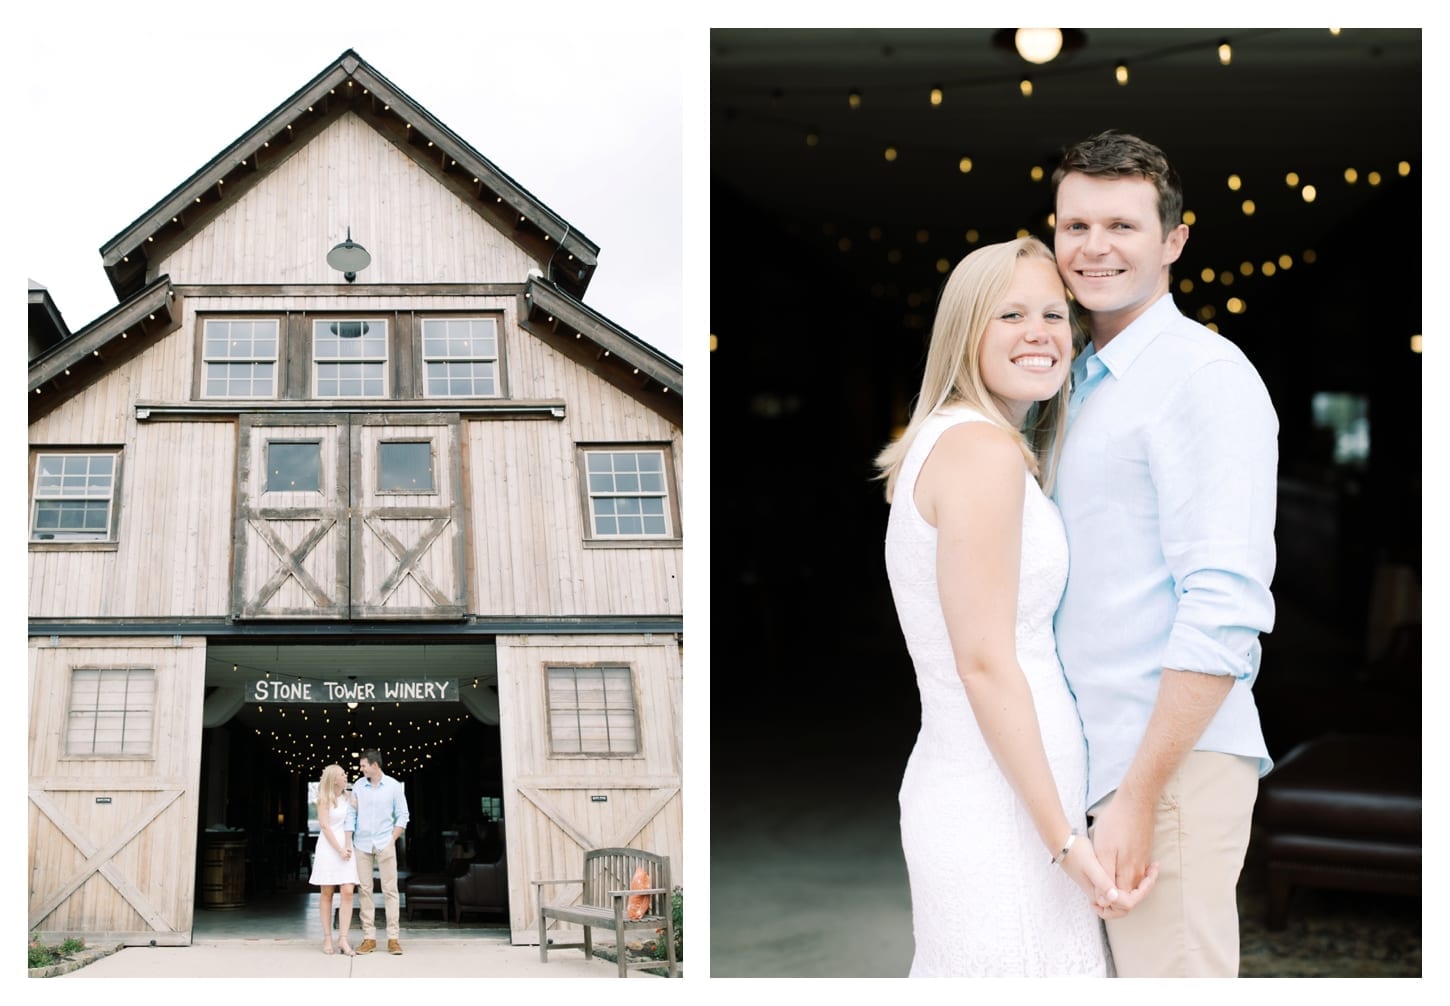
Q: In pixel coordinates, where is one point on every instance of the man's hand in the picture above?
(1123, 839)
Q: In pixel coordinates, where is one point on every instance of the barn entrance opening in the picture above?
(277, 713)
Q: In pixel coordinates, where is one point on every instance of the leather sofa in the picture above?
(1342, 811)
(480, 887)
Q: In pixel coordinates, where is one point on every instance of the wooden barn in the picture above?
(350, 465)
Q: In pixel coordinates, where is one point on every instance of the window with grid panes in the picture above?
(111, 711)
(460, 357)
(74, 497)
(628, 497)
(239, 358)
(350, 358)
(591, 711)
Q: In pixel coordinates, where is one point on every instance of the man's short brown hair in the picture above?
(1112, 154)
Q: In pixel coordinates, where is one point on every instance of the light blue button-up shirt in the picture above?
(379, 808)
(1167, 487)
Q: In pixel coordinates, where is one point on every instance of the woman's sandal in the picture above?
(327, 949)
(346, 947)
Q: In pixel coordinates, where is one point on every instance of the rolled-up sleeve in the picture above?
(1213, 457)
(400, 807)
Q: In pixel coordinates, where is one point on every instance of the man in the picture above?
(381, 817)
(1167, 489)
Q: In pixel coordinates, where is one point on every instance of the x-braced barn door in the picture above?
(349, 517)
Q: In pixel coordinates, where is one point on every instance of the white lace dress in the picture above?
(985, 898)
(328, 866)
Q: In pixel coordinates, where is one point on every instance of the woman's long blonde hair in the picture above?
(332, 785)
(954, 367)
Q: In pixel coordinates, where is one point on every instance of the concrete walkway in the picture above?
(423, 958)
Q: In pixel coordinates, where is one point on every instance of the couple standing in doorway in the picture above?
(354, 833)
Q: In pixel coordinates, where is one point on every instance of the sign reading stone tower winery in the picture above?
(377, 690)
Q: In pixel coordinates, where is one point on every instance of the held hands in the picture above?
(1123, 839)
(1111, 902)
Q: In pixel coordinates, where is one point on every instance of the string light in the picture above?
(935, 91)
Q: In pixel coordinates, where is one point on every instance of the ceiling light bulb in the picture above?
(1038, 45)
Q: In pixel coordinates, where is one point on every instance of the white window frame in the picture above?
(208, 360)
(135, 712)
(573, 714)
(594, 491)
(320, 326)
(40, 493)
(446, 359)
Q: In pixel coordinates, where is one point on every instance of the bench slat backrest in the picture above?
(608, 870)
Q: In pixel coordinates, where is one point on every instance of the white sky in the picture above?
(587, 119)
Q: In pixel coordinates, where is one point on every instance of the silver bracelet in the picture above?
(1065, 847)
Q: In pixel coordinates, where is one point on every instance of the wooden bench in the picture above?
(601, 905)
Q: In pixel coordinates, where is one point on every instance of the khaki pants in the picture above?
(1188, 927)
(387, 862)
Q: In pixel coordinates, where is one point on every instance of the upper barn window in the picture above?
(74, 497)
(627, 493)
(239, 358)
(460, 357)
(350, 358)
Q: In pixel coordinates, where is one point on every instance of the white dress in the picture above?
(985, 897)
(328, 866)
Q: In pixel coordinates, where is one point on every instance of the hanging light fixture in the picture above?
(349, 258)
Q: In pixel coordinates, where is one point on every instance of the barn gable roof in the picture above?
(350, 83)
(62, 361)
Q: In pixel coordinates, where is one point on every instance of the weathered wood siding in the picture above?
(280, 231)
(139, 885)
(527, 501)
(547, 799)
(523, 514)
(174, 528)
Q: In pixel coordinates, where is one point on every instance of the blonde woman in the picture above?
(333, 867)
(1004, 881)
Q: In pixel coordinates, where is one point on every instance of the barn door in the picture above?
(407, 535)
(115, 757)
(291, 538)
(343, 517)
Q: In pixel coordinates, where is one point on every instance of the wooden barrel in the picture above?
(224, 872)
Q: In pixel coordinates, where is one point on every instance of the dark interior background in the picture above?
(824, 273)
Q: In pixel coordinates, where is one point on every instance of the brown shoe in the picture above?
(367, 946)
(394, 947)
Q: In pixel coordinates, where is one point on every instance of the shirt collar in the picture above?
(1118, 355)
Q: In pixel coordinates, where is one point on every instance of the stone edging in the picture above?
(79, 961)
